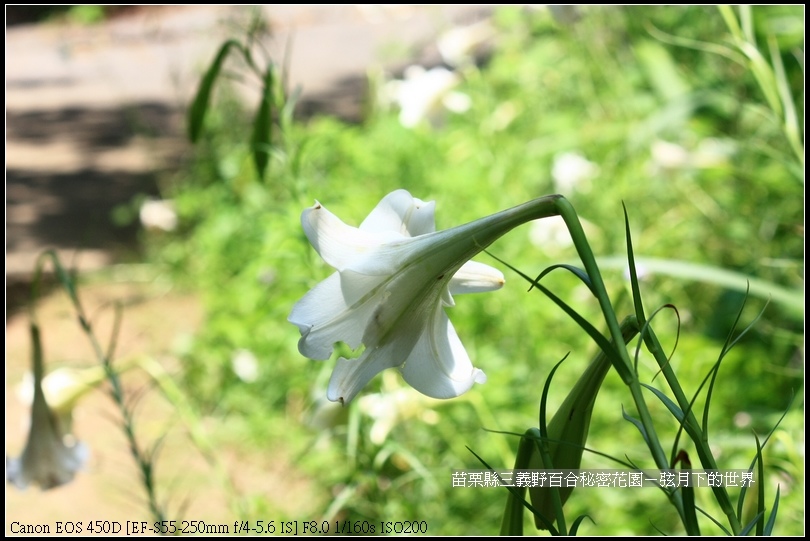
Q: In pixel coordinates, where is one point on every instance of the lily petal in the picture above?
(400, 212)
(340, 244)
(475, 277)
(439, 366)
(351, 375)
(335, 310)
(384, 349)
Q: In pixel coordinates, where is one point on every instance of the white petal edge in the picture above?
(438, 366)
(340, 244)
(402, 213)
(350, 376)
(334, 311)
(475, 277)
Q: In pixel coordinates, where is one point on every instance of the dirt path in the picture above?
(95, 113)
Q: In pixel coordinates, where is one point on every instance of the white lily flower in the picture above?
(245, 365)
(51, 457)
(63, 388)
(422, 94)
(395, 274)
(459, 45)
(572, 172)
(393, 406)
(158, 215)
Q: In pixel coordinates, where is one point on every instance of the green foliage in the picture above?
(680, 120)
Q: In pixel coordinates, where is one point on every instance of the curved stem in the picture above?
(621, 361)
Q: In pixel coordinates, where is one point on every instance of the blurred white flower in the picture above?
(158, 215)
(423, 94)
(742, 419)
(710, 152)
(572, 172)
(245, 365)
(642, 272)
(51, 456)
(459, 45)
(551, 234)
(668, 155)
(50, 459)
(392, 406)
(63, 388)
(502, 116)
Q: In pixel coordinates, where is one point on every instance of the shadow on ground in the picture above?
(84, 164)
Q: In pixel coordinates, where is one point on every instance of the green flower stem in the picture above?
(692, 427)
(143, 461)
(621, 359)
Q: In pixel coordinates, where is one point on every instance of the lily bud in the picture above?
(567, 434)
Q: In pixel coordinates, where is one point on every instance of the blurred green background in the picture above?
(696, 130)
(657, 108)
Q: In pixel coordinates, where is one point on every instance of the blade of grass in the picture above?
(199, 107)
(261, 141)
(791, 300)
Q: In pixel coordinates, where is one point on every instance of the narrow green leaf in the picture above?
(631, 262)
(791, 121)
(690, 515)
(261, 142)
(196, 114)
(544, 451)
(731, 21)
(683, 418)
(727, 346)
(772, 519)
(673, 408)
(638, 424)
(760, 487)
(544, 399)
(750, 526)
(577, 522)
(714, 521)
(690, 521)
(516, 493)
(576, 271)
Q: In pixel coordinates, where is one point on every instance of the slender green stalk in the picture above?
(621, 361)
(117, 393)
(699, 438)
(623, 364)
